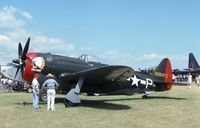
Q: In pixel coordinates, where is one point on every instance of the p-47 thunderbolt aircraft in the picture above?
(78, 75)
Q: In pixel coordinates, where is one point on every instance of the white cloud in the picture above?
(8, 20)
(179, 61)
(4, 39)
(27, 15)
(152, 56)
(49, 44)
(13, 29)
(88, 49)
(118, 56)
(141, 61)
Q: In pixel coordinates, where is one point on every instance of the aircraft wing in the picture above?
(100, 74)
(186, 72)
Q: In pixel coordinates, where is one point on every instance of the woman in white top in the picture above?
(36, 90)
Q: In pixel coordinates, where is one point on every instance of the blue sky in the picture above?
(137, 33)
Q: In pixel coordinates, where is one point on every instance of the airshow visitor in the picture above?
(50, 85)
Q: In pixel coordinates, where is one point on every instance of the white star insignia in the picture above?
(135, 80)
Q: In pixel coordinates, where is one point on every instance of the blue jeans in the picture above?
(35, 99)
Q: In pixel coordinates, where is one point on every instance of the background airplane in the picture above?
(8, 71)
(193, 67)
(193, 64)
(77, 75)
(18, 84)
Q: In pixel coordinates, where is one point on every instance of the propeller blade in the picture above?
(19, 50)
(20, 62)
(16, 72)
(15, 61)
(22, 69)
(26, 49)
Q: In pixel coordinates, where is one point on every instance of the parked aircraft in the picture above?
(193, 64)
(193, 67)
(73, 74)
(77, 75)
(9, 71)
(18, 84)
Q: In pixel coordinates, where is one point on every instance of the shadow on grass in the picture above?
(148, 98)
(99, 104)
(165, 97)
(23, 103)
(104, 103)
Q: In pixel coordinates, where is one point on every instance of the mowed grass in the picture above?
(177, 108)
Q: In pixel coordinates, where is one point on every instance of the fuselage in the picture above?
(62, 65)
(56, 64)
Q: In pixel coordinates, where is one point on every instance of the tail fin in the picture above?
(163, 74)
(192, 63)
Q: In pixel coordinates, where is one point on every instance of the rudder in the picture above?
(192, 63)
(163, 73)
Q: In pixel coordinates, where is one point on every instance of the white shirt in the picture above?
(35, 84)
(198, 79)
(190, 79)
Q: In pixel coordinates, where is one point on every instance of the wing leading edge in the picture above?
(100, 75)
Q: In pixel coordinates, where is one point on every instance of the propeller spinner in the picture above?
(22, 56)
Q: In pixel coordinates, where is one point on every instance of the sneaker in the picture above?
(36, 109)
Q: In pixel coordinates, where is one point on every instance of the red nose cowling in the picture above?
(28, 74)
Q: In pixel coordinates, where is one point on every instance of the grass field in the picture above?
(177, 108)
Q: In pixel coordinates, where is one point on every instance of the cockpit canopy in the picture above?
(89, 58)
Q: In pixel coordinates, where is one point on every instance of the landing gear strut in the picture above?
(72, 96)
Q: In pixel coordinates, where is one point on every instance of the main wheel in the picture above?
(29, 90)
(68, 103)
(90, 94)
(144, 97)
(43, 96)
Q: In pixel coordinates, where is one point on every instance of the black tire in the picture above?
(68, 103)
(90, 94)
(43, 96)
(144, 97)
(29, 90)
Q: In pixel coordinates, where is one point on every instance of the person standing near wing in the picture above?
(50, 85)
(190, 80)
(198, 80)
(36, 90)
